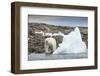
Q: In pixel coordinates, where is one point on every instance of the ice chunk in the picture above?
(72, 43)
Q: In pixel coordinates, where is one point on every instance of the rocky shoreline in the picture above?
(36, 41)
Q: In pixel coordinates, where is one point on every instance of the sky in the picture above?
(59, 20)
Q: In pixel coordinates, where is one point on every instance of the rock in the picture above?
(36, 41)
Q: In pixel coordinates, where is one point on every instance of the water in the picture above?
(43, 56)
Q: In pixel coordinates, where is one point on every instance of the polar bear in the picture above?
(50, 45)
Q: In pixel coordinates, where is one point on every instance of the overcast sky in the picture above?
(59, 20)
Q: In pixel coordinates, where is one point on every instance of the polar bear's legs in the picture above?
(48, 48)
(54, 47)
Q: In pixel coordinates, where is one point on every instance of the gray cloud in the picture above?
(59, 20)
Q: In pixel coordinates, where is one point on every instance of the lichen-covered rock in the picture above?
(36, 41)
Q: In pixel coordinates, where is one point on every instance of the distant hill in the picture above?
(52, 28)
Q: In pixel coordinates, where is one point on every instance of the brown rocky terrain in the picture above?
(36, 41)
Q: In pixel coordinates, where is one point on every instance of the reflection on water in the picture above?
(43, 56)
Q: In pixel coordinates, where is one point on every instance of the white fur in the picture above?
(50, 42)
